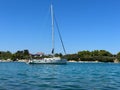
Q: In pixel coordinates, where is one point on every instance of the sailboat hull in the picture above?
(48, 61)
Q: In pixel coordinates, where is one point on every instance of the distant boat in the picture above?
(53, 59)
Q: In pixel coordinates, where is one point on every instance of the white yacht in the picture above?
(53, 59)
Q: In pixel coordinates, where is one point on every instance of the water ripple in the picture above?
(74, 76)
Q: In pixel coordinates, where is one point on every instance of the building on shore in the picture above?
(37, 55)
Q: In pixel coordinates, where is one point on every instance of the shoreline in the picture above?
(86, 61)
(90, 61)
(71, 61)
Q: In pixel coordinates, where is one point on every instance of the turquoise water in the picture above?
(73, 76)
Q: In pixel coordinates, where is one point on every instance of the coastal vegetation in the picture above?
(19, 55)
(96, 55)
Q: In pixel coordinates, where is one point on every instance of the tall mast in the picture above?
(52, 17)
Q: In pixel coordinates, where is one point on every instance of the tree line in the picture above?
(7, 55)
(96, 55)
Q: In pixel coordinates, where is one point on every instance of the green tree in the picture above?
(84, 54)
(95, 53)
(71, 57)
(101, 53)
(104, 53)
(26, 54)
(118, 56)
(5, 55)
(19, 55)
(58, 55)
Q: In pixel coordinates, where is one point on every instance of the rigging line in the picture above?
(59, 34)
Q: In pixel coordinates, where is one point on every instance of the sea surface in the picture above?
(73, 76)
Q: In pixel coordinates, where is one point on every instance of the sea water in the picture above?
(73, 76)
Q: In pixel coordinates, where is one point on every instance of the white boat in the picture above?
(53, 59)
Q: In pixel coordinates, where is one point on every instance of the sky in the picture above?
(84, 25)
